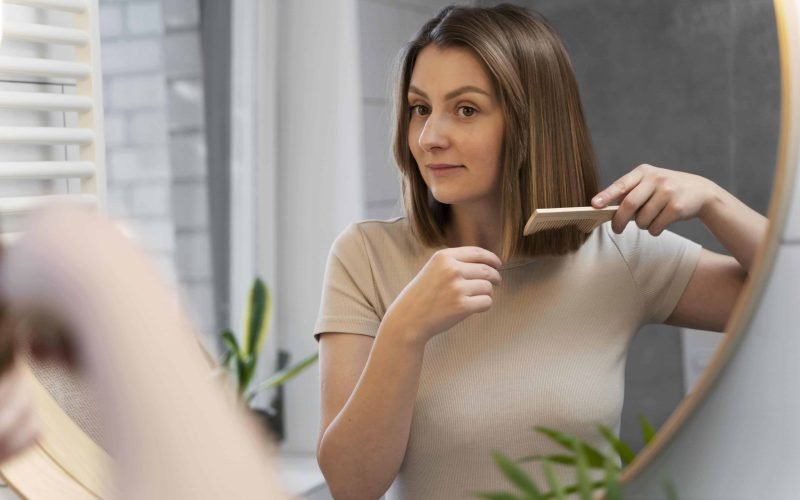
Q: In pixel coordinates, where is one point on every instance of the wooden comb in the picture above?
(584, 218)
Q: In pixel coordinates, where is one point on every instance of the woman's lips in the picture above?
(440, 169)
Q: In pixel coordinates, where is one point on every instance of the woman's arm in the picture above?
(369, 388)
(368, 393)
(655, 198)
(169, 427)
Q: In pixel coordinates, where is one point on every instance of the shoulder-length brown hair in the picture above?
(547, 158)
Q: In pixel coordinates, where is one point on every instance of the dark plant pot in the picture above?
(272, 417)
(271, 422)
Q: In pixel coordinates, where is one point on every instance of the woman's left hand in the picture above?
(655, 198)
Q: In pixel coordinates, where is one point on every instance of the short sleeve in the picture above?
(660, 266)
(348, 290)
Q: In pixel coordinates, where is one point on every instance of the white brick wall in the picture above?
(188, 154)
(123, 55)
(135, 92)
(139, 164)
(156, 176)
(181, 14)
(148, 127)
(111, 21)
(144, 18)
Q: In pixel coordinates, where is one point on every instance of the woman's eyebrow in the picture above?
(452, 94)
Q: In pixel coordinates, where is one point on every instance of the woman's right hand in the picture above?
(19, 425)
(454, 284)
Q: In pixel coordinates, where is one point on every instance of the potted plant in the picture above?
(240, 360)
(583, 457)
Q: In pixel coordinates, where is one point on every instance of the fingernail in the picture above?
(597, 200)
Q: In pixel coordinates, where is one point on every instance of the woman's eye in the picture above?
(420, 110)
(467, 111)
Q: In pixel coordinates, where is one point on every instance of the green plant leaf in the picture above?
(235, 355)
(613, 489)
(624, 451)
(283, 375)
(257, 317)
(573, 488)
(497, 495)
(555, 487)
(248, 372)
(582, 470)
(648, 433)
(516, 475)
(594, 458)
(556, 459)
(230, 342)
(671, 491)
(241, 369)
(226, 359)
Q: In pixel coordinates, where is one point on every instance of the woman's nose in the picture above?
(434, 134)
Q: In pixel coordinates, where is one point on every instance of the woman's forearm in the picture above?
(173, 433)
(168, 426)
(362, 449)
(739, 228)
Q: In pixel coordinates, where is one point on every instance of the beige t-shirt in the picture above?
(550, 352)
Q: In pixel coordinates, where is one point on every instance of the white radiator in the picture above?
(51, 108)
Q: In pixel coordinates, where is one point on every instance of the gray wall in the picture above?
(691, 85)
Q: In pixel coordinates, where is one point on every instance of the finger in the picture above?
(475, 255)
(8, 341)
(631, 204)
(10, 383)
(619, 188)
(663, 220)
(477, 303)
(647, 214)
(23, 436)
(14, 407)
(472, 288)
(486, 272)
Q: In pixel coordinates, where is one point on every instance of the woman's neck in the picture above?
(474, 225)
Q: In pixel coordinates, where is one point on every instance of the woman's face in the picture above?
(456, 127)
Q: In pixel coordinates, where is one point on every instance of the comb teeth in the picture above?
(583, 225)
(585, 219)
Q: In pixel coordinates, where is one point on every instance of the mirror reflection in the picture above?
(645, 102)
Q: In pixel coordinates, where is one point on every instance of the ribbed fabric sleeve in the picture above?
(348, 296)
(660, 267)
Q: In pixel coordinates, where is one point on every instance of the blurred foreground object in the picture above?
(160, 414)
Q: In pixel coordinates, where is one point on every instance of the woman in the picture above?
(447, 334)
(169, 427)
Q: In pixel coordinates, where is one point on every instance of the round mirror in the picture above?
(691, 86)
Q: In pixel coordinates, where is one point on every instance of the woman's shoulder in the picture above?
(637, 245)
(390, 236)
(371, 228)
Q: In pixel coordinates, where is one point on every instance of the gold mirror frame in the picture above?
(787, 18)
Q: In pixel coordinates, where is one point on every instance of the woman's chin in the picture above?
(447, 196)
(451, 198)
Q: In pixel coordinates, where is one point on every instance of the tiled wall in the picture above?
(188, 156)
(137, 144)
(155, 138)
